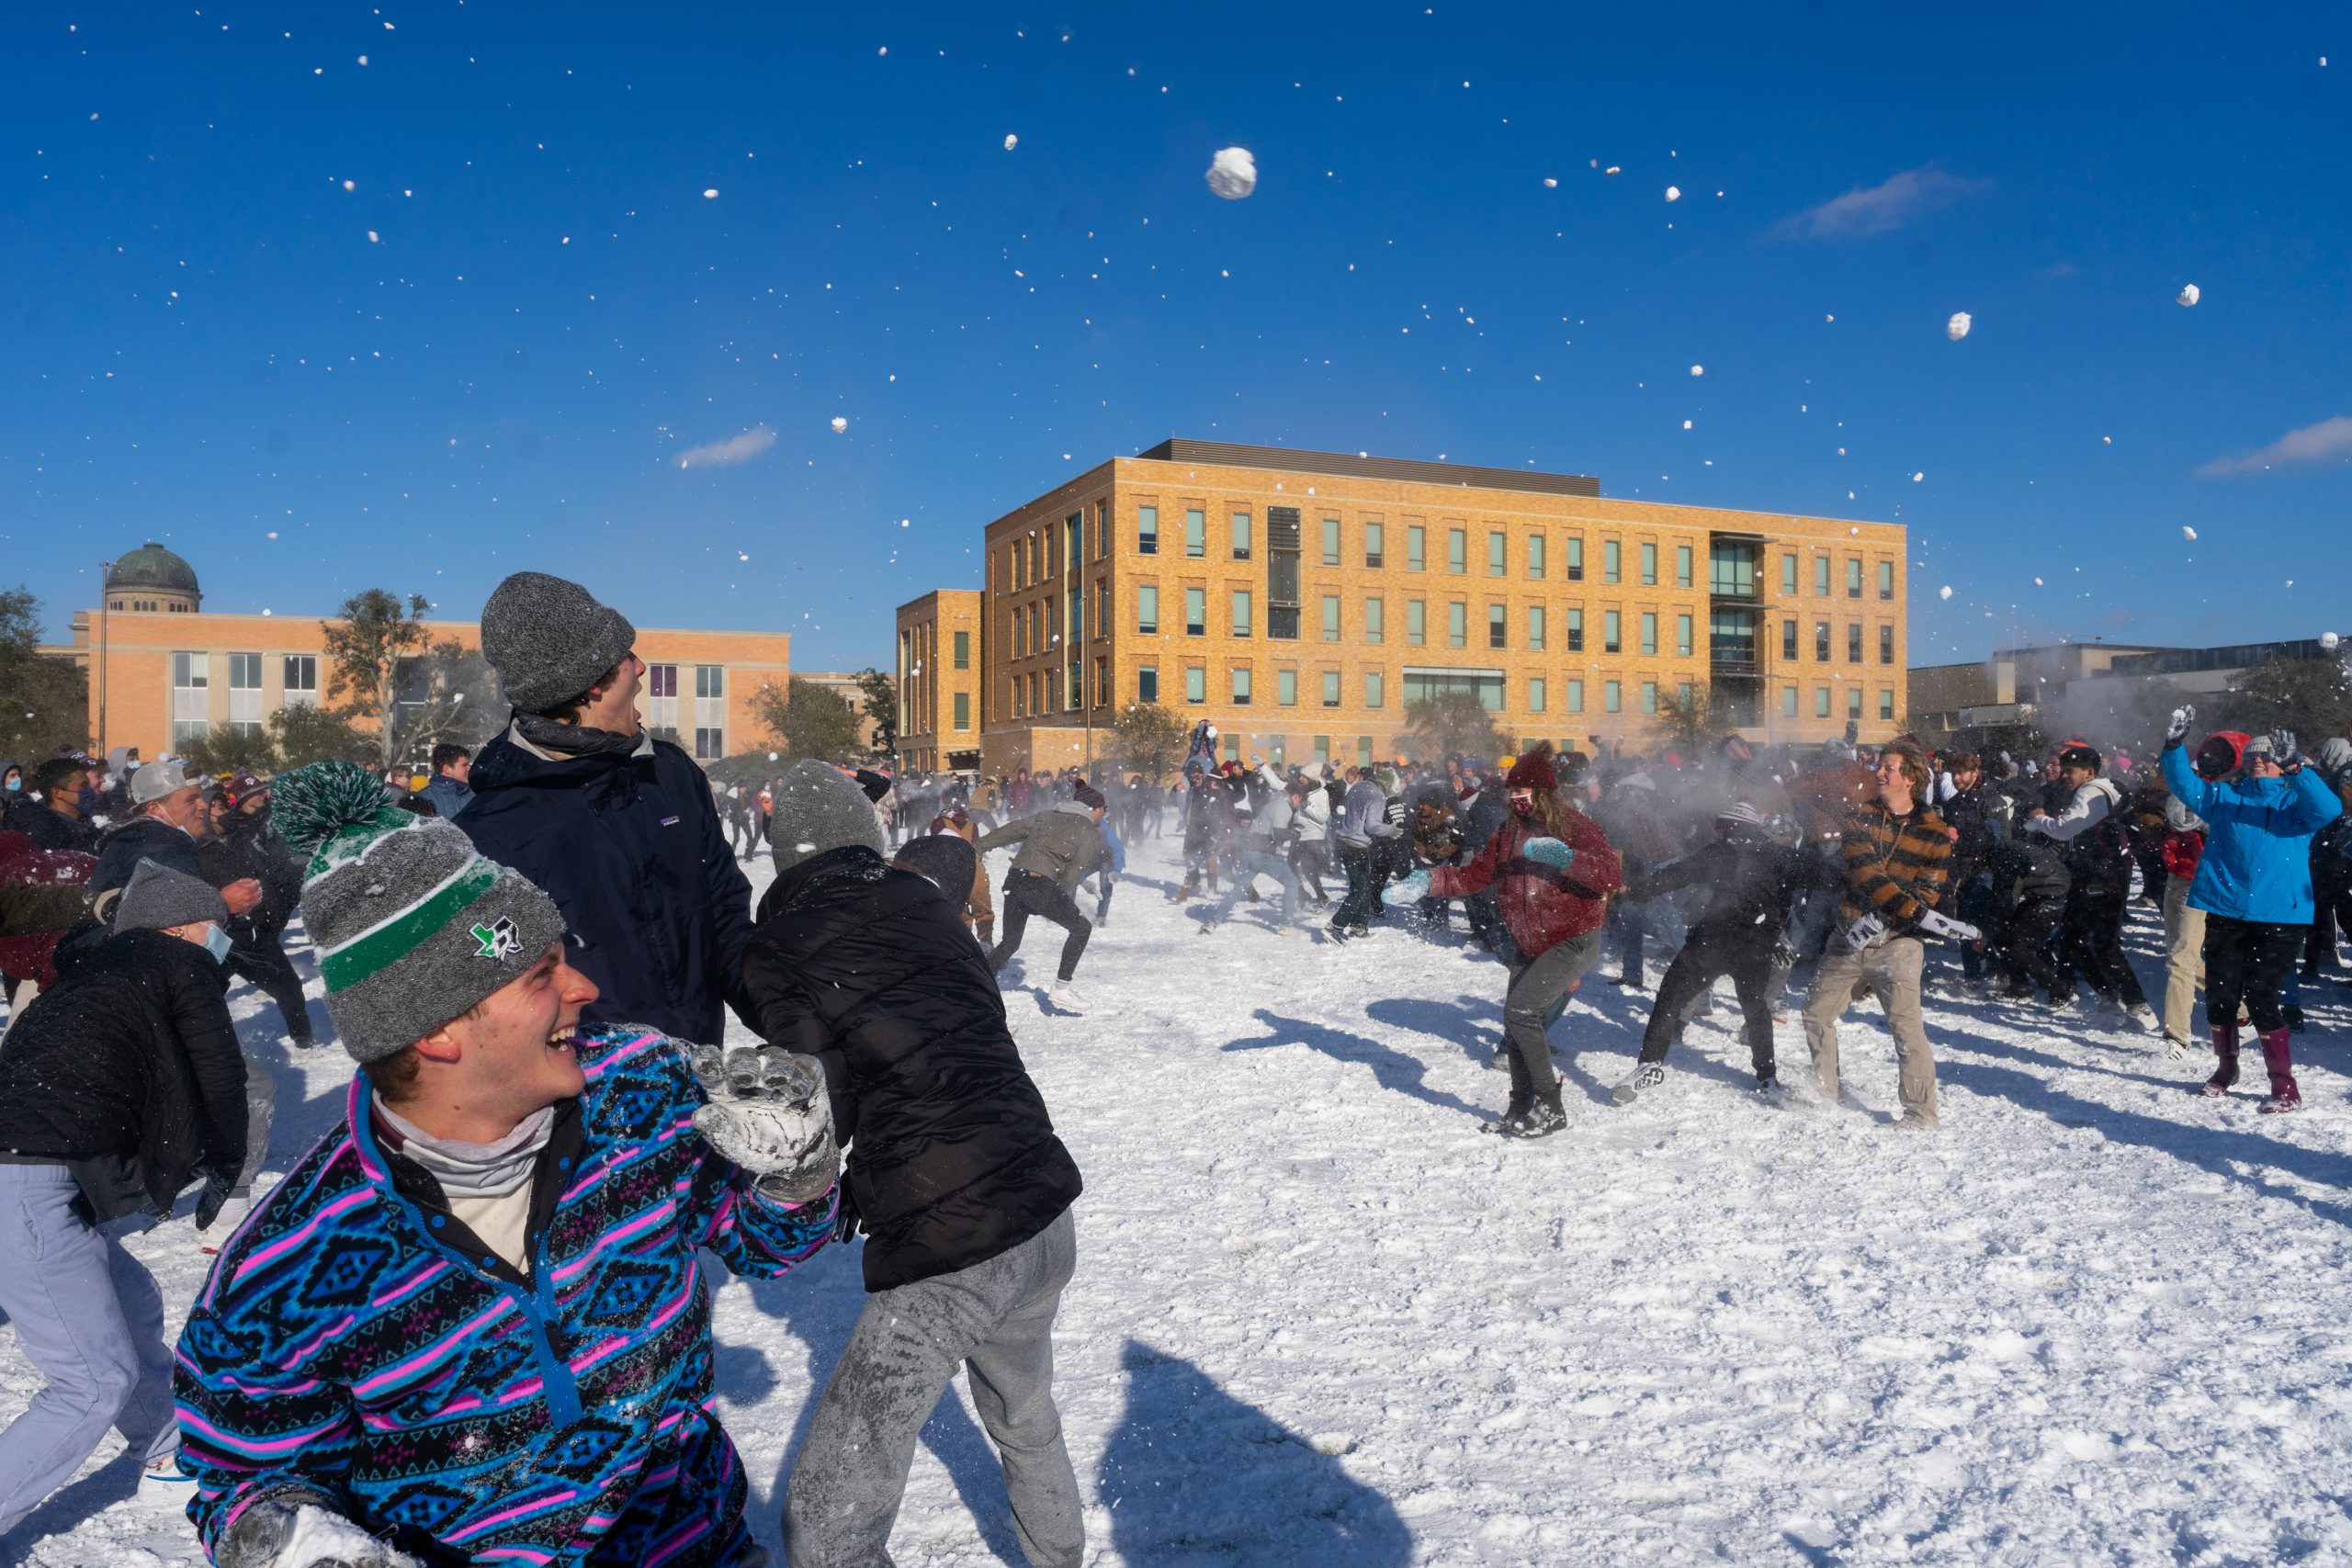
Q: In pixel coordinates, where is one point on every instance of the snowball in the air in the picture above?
(1611, 169)
(1945, 591)
(839, 424)
(1011, 142)
(2188, 533)
(1916, 478)
(711, 194)
(2327, 641)
(1957, 328)
(1550, 184)
(1233, 173)
(1698, 370)
(2190, 294)
(1674, 193)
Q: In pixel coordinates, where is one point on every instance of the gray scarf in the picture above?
(475, 1170)
(572, 739)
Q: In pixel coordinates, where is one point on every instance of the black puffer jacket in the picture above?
(126, 1071)
(1751, 879)
(631, 850)
(143, 838)
(250, 847)
(951, 1158)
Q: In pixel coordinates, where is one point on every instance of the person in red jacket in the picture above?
(1552, 871)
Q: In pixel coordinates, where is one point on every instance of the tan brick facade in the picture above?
(1164, 569)
(939, 681)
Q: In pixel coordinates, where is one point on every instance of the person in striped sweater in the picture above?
(1897, 856)
(468, 1327)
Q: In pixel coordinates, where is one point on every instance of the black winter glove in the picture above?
(208, 1203)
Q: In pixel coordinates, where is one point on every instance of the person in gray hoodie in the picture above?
(1262, 850)
(1356, 834)
(1058, 846)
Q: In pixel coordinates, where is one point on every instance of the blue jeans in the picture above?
(89, 1318)
(1247, 866)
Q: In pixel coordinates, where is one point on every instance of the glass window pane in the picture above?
(1330, 617)
(1330, 541)
(1242, 535)
(1498, 547)
(1535, 628)
(1576, 694)
(1147, 530)
(1415, 543)
(1457, 551)
(1682, 566)
(1649, 566)
(1575, 558)
(1375, 614)
(1535, 556)
(1196, 531)
(1146, 610)
(1331, 688)
(1241, 612)
(1286, 687)
(1457, 624)
(1372, 556)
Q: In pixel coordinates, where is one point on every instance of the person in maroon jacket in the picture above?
(1552, 871)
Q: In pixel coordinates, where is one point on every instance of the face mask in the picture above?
(88, 801)
(14, 784)
(1522, 808)
(216, 942)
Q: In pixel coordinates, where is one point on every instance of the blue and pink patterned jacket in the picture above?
(356, 1342)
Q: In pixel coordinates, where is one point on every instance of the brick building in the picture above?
(1300, 599)
(939, 681)
(161, 669)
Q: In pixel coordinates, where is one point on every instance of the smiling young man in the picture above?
(468, 1327)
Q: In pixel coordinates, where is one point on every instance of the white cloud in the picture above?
(2311, 444)
(1875, 209)
(734, 449)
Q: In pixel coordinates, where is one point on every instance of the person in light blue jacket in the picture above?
(2253, 883)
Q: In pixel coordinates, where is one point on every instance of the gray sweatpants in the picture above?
(1535, 985)
(996, 1319)
(89, 1318)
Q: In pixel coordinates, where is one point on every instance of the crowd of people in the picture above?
(469, 1324)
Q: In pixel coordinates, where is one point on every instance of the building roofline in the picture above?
(1233, 454)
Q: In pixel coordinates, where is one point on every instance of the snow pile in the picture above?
(1233, 173)
(1957, 328)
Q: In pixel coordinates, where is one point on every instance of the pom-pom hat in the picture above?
(410, 925)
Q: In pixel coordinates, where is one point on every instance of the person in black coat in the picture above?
(55, 813)
(120, 1084)
(245, 846)
(954, 1171)
(618, 828)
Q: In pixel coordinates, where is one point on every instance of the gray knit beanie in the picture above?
(817, 809)
(550, 641)
(411, 926)
(157, 898)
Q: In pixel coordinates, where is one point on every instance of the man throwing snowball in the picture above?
(469, 1326)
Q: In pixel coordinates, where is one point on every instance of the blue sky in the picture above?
(492, 349)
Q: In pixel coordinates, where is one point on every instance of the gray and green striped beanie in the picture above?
(411, 926)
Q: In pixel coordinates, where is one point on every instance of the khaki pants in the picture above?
(1891, 969)
(2184, 958)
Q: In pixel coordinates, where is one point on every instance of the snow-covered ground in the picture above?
(1319, 1319)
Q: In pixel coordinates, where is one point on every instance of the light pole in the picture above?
(105, 584)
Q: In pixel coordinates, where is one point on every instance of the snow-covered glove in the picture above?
(285, 1532)
(1550, 852)
(1944, 925)
(1865, 932)
(1408, 889)
(2177, 730)
(769, 1113)
(2282, 749)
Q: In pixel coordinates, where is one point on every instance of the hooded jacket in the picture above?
(126, 1072)
(1542, 905)
(121, 848)
(631, 850)
(1061, 844)
(2257, 859)
(953, 1159)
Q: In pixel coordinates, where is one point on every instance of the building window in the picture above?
(1416, 548)
(1425, 686)
(1576, 694)
(244, 694)
(1535, 628)
(1147, 530)
(1497, 555)
(1821, 701)
(1788, 642)
(1886, 702)
(709, 743)
(1375, 689)
(1612, 699)
(1457, 551)
(1147, 609)
(963, 650)
(1242, 535)
(1330, 541)
(1853, 642)
(1682, 637)
(1576, 558)
(1788, 702)
(1821, 577)
(1611, 632)
(1682, 566)
(1789, 576)
(1416, 623)
(1375, 614)
(1322, 749)
(1330, 617)
(661, 701)
(1102, 607)
(1331, 688)
(710, 710)
(1887, 645)
(302, 685)
(1074, 533)
(1821, 642)
(1371, 556)
(1497, 625)
(1649, 566)
(1241, 688)
(1682, 695)
(1196, 684)
(1886, 581)
(1649, 696)
(1148, 684)
(1649, 634)
(1853, 577)
(1241, 612)
(1535, 693)
(1457, 624)
(1364, 750)
(1196, 532)
(1536, 558)
(1611, 561)
(191, 699)
(1576, 631)
(963, 710)
(1853, 702)
(1286, 688)
(1196, 611)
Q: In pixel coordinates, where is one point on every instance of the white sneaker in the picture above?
(1065, 998)
(161, 1485)
(215, 1237)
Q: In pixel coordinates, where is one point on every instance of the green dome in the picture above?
(152, 566)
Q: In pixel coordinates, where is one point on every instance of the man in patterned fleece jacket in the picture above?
(1897, 854)
(469, 1326)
